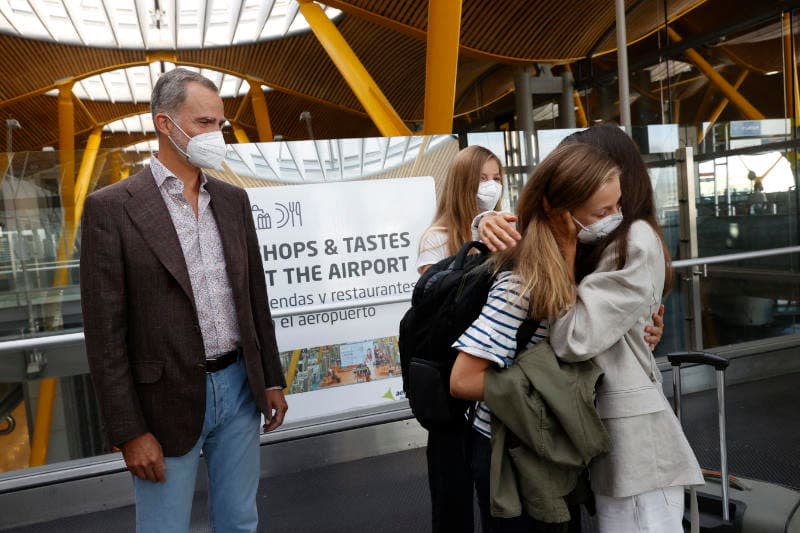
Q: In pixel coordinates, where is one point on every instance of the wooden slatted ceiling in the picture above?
(299, 64)
(39, 119)
(303, 74)
(647, 17)
(759, 57)
(540, 30)
(519, 28)
(29, 65)
(328, 123)
(106, 111)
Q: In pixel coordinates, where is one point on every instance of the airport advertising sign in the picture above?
(339, 261)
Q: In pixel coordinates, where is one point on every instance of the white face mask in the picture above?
(489, 193)
(599, 230)
(206, 150)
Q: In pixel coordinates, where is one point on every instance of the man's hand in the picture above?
(497, 231)
(654, 333)
(144, 458)
(276, 409)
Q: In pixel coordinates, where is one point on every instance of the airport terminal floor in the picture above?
(389, 493)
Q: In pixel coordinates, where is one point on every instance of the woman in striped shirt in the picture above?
(539, 285)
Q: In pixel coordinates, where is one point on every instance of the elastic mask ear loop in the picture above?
(178, 126)
(185, 154)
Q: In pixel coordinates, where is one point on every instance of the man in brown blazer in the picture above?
(179, 336)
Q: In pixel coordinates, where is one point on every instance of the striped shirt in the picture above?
(493, 334)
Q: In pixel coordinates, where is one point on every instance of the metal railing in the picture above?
(112, 463)
(727, 258)
(51, 341)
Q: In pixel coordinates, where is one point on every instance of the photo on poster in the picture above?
(323, 367)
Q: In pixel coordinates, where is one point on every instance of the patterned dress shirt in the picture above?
(205, 261)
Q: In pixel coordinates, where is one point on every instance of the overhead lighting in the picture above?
(771, 72)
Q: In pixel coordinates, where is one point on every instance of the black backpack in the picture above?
(446, 301)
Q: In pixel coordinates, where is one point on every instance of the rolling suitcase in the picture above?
(726, 503)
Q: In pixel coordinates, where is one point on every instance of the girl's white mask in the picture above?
(599, 230)
(489, 193)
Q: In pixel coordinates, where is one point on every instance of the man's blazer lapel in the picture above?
(151, 217)
(228, 214)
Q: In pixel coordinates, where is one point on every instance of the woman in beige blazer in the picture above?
(639, 485)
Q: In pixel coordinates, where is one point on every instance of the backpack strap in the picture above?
(528, 328)
(525, 333)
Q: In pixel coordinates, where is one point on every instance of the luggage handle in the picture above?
(720, 364)
(700, 358)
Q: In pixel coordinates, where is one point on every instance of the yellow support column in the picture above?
(580, 112)
(118, 168)
(361, 83)
(75, 200)
(85, 174)
(259, 104)
(240, 134)
(790, 71)
(72, 218)
(47, 386)
(720, 107)
(744, 105)
(114, 167)
(66, 146)
(5, 162)
(97, 173)
(441, 65)
(44, 418)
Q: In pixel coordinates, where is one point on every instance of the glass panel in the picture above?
(32, 229)
(744, 300)
(751, 299)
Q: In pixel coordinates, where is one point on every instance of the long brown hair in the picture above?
(458, 203)
(637, 201)
(566, 178)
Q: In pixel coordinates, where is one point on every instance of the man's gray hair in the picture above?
(169, 92)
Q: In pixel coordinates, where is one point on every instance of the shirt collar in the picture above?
(161, 173)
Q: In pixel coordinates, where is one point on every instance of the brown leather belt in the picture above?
(223, 360)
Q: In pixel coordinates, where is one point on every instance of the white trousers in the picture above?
(657, 511)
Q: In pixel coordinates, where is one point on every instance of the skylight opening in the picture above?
(139, 24)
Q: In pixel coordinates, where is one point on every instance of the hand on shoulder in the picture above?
(498, 231)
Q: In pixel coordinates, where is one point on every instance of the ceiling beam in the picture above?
(417, 33)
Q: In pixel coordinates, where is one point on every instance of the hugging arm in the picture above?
(467, 377)
(608, 304)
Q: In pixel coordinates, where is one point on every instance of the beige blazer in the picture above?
(606, 324)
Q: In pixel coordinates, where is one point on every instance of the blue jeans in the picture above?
(229, 441)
